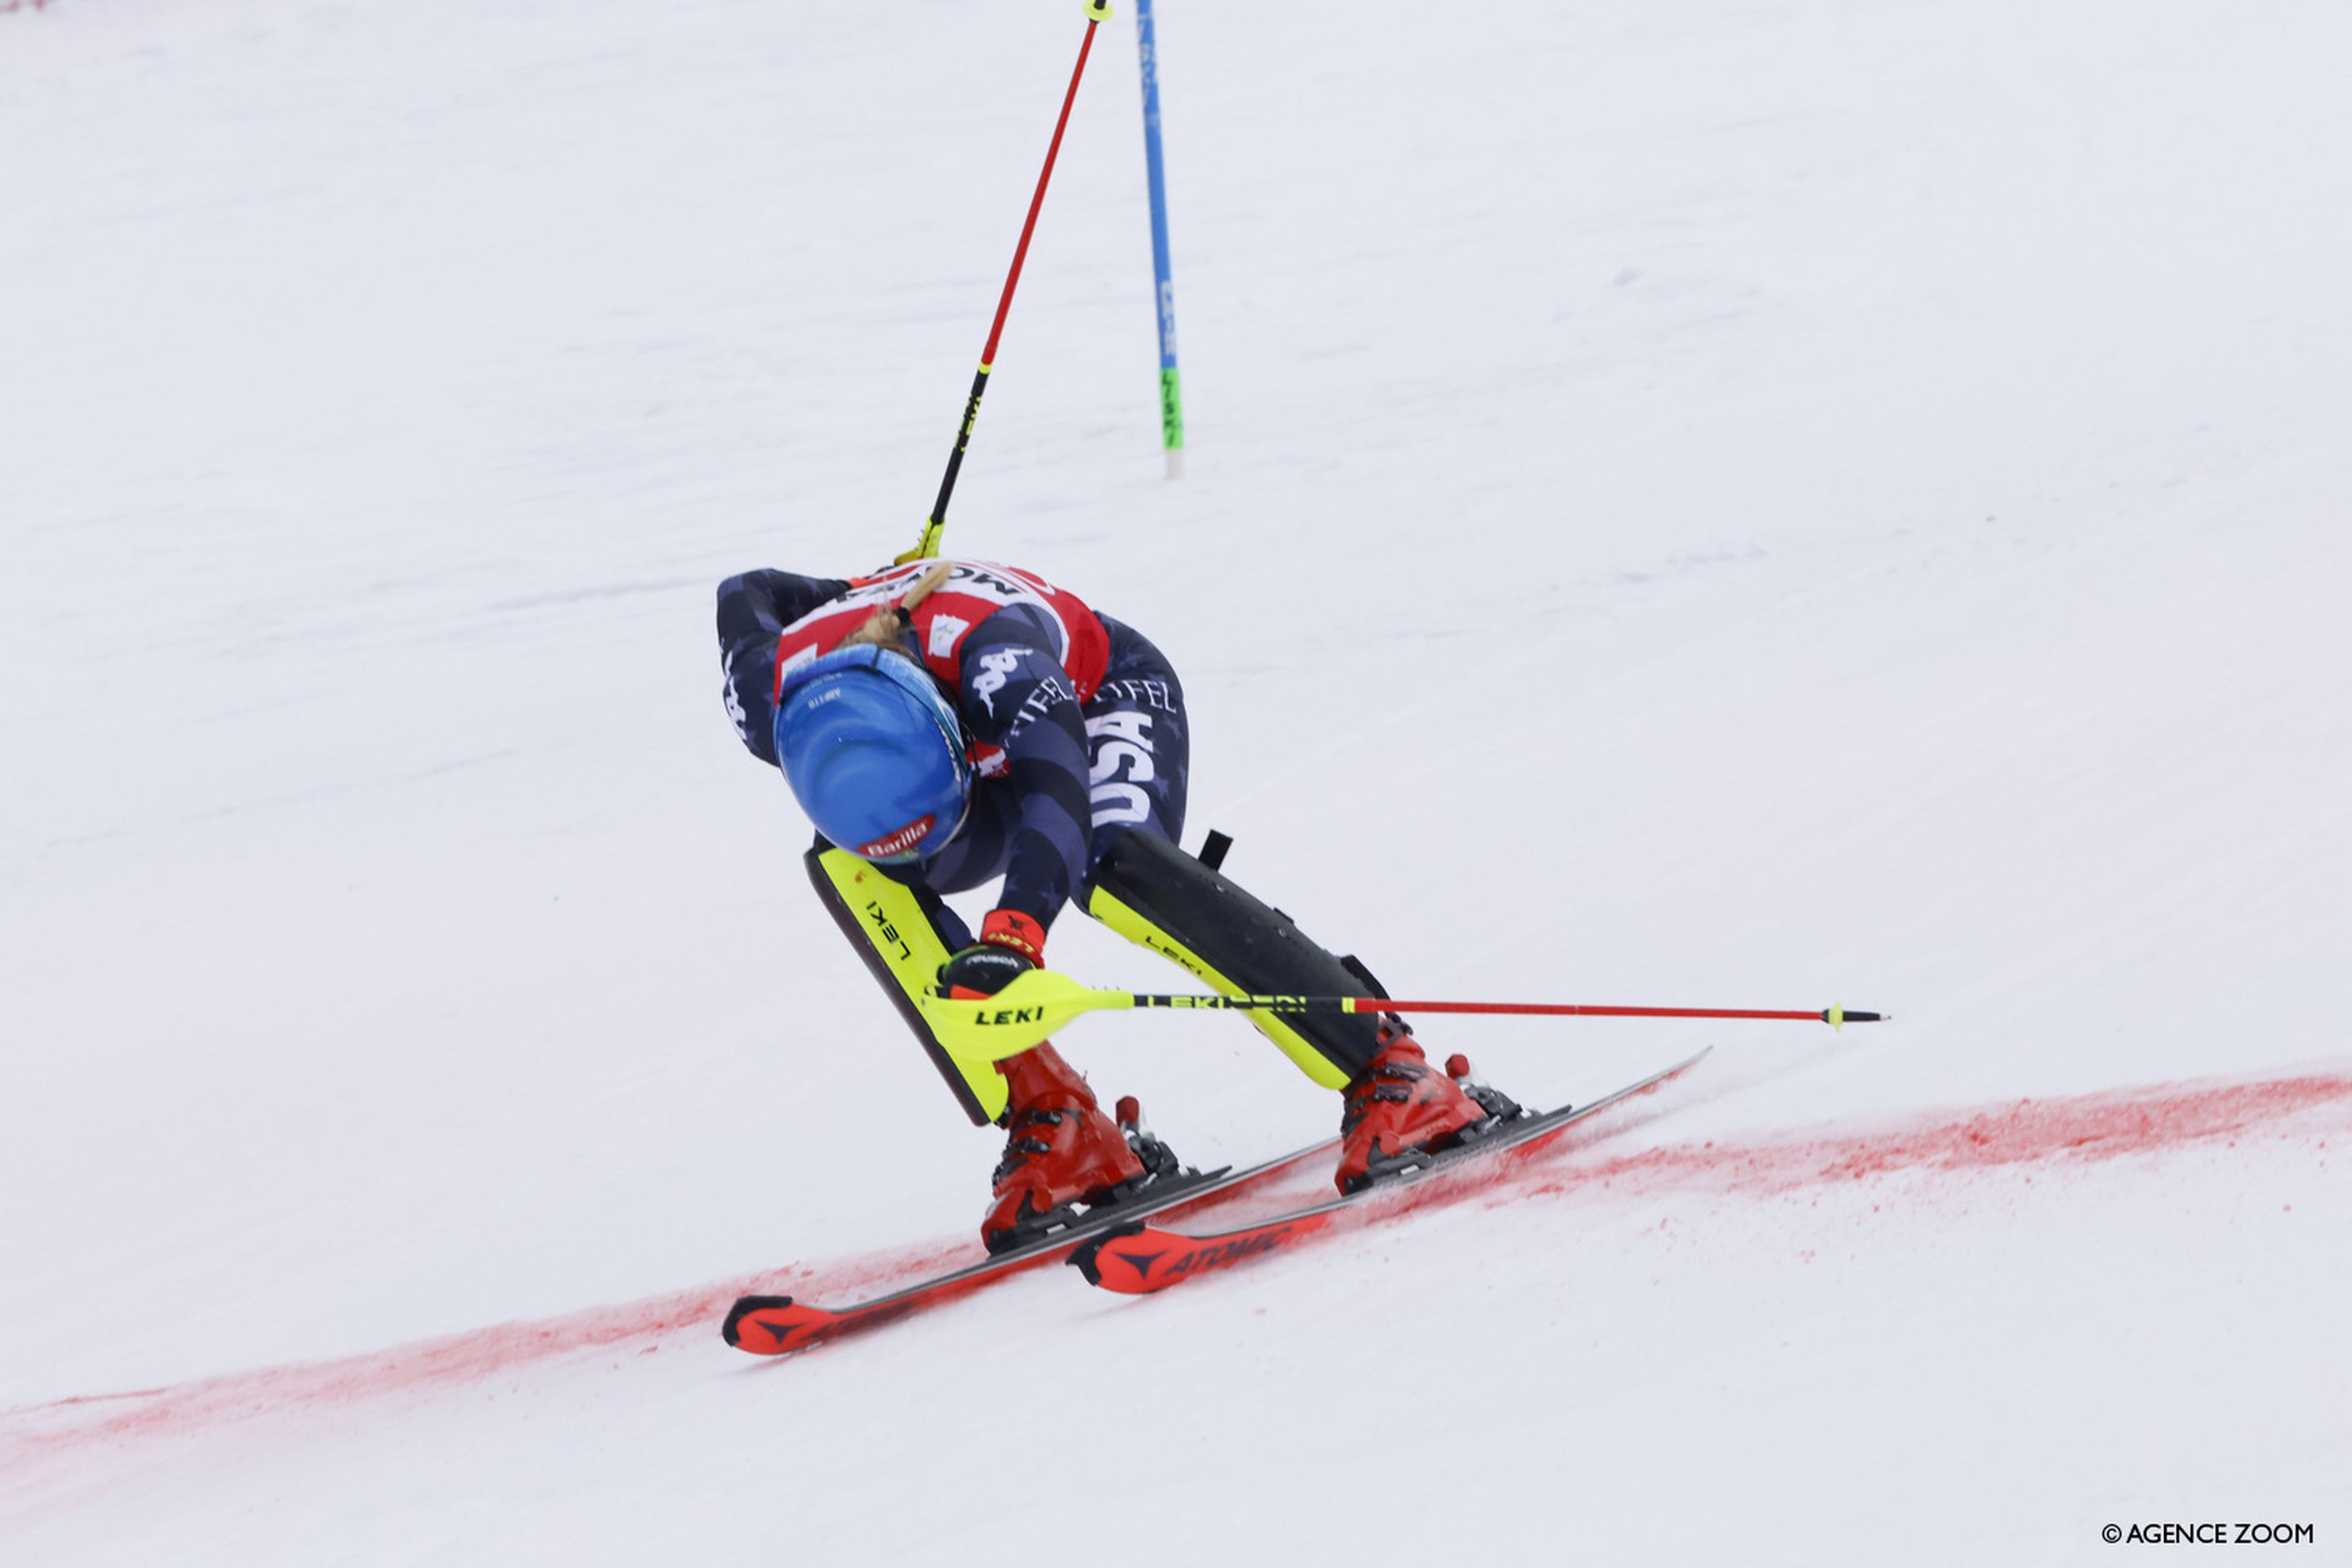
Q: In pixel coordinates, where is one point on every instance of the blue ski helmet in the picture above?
(874, 752)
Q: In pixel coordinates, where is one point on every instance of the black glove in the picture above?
(983, 969)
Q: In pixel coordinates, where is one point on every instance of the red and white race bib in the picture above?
(975, 591)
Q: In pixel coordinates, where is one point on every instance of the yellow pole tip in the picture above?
(1096, 10)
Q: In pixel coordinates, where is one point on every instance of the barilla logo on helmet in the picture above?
(899, 843)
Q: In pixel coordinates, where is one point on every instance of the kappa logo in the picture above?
(995, 668)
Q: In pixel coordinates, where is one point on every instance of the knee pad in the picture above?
(1154, 894)
(904, 934)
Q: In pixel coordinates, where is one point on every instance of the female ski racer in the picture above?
(948, 724)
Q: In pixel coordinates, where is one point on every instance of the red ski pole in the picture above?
(1042, 1003)
(1097, 11)
(1834, 1016)
(1831, 1015)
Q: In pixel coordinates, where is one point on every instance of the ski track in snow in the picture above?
(2048, 1134)
(2069, 1130)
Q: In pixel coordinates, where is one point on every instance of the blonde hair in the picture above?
(887, 626)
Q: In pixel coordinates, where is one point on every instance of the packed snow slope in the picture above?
(1732, 503)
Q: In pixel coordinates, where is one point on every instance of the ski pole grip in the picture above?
(925, 586)
(903, 611)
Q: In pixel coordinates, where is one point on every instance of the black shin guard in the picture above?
(898, 933)
(1152, 893)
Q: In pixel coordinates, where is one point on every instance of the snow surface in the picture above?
(1734, 503)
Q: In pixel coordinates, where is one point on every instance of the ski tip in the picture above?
(731, 1330)
(1660, 1079)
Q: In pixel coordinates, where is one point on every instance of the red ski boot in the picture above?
(1399, 1110)
(1064, 1150)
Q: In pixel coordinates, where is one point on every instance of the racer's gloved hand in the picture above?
(1009, 947)
(983, 969)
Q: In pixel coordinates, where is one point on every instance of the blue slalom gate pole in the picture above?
(1171, 397)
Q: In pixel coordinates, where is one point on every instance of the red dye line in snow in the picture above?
(2073, 1129)
(2077, 1128)
(28, 1433)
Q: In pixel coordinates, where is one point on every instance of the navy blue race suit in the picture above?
(1067, 759)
